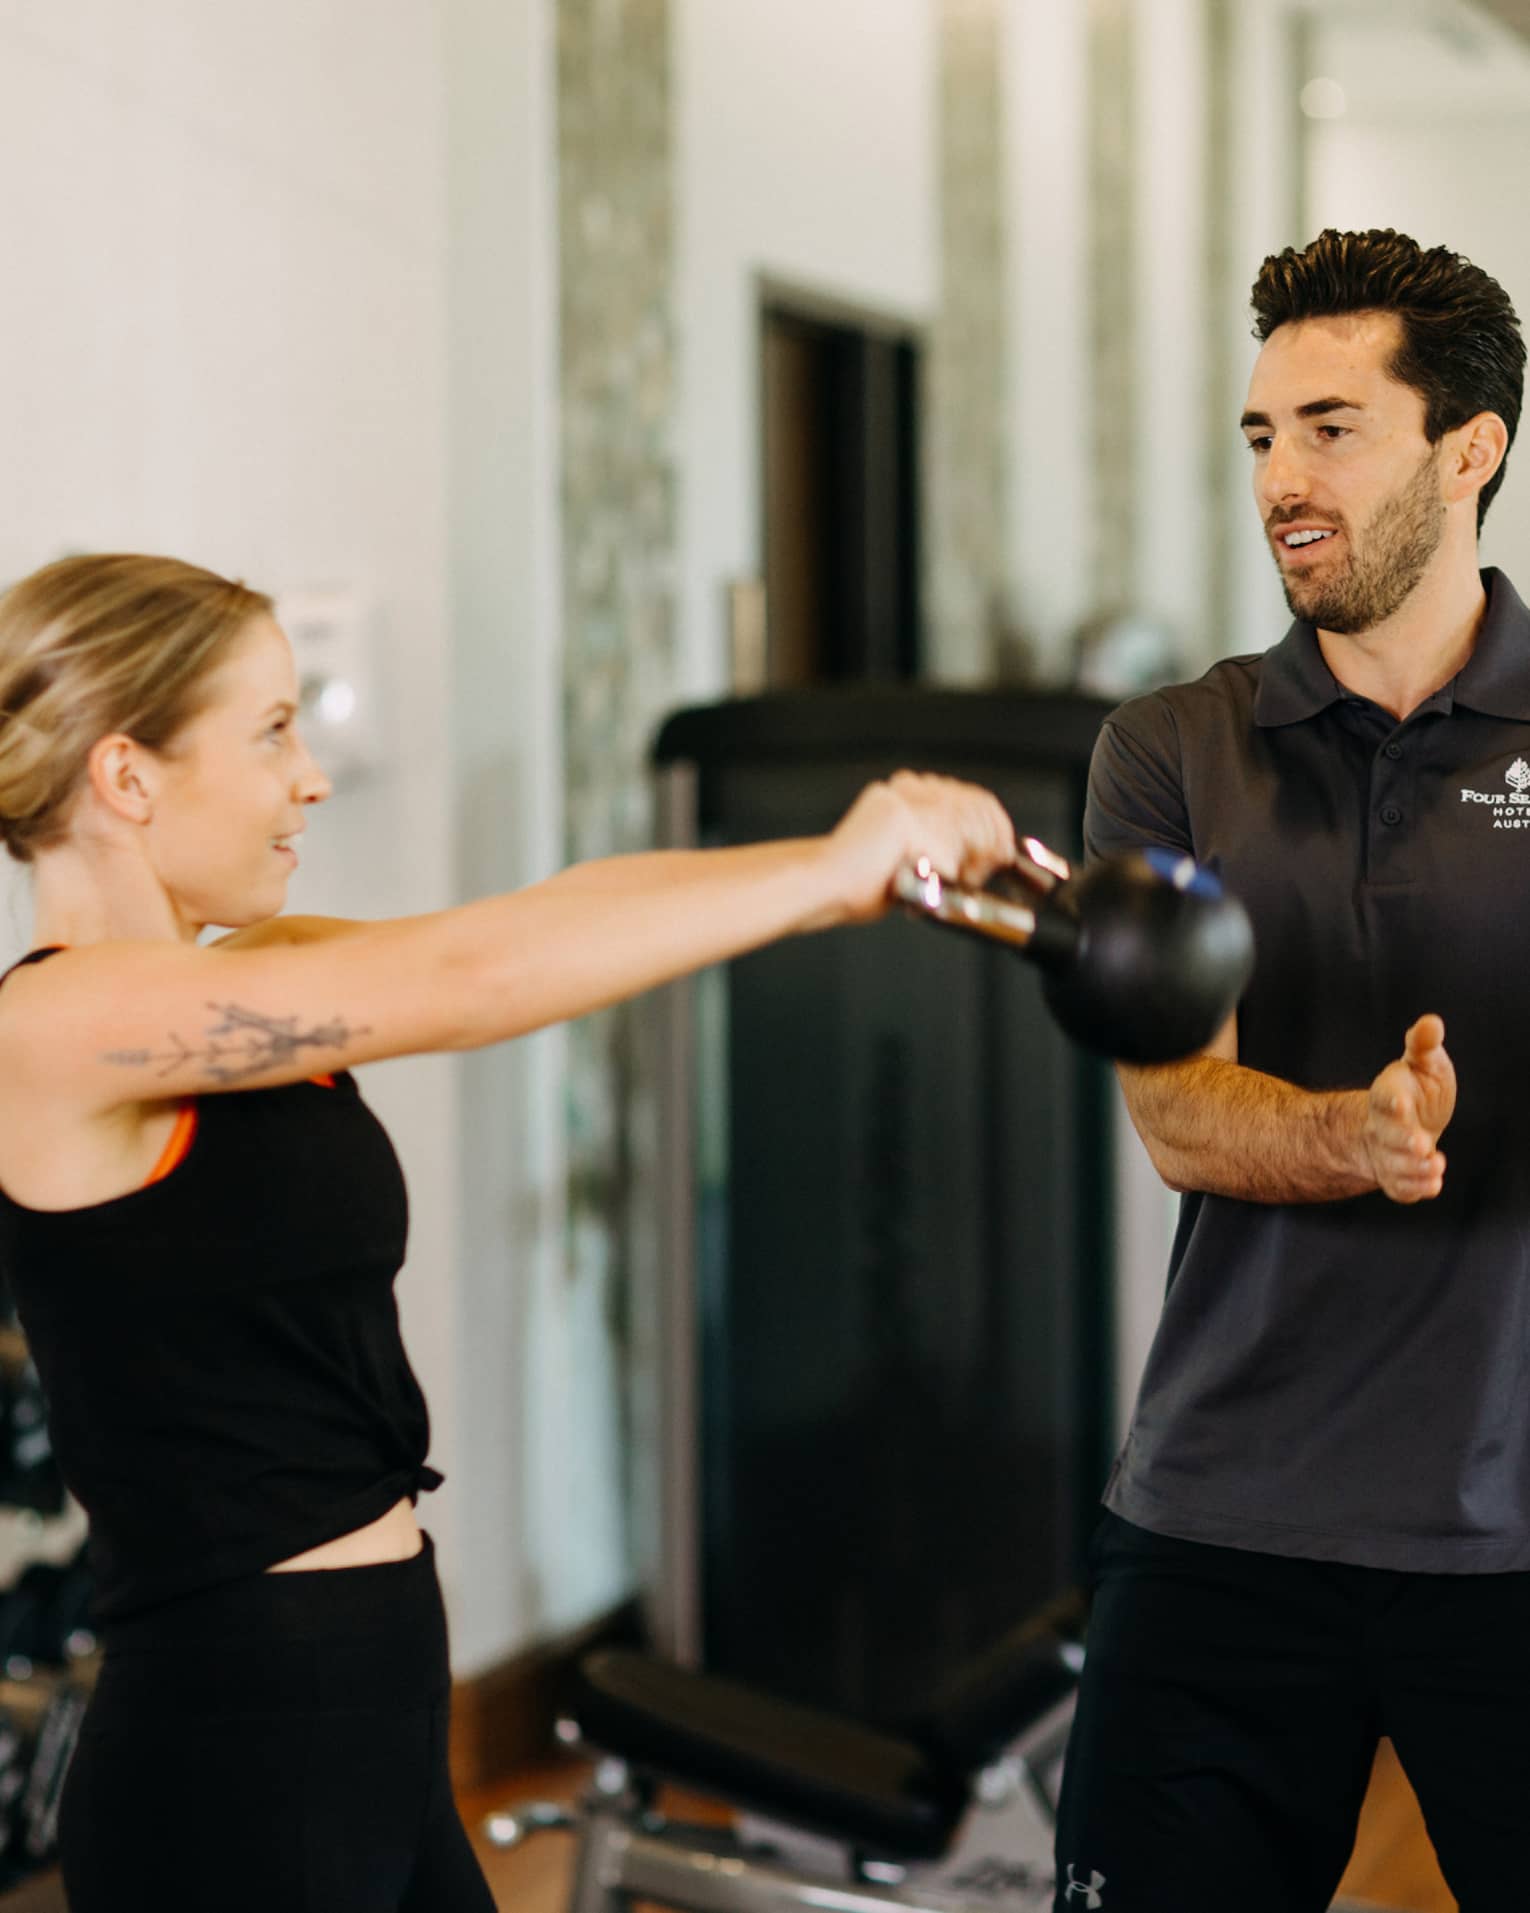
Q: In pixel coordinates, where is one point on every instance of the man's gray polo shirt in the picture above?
(1350, 1381)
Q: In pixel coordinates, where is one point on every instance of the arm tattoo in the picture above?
(244, 1043)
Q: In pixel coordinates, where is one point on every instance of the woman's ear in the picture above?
(121, 777)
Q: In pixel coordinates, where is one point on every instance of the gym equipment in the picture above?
(32, 1479)
(47, 1666)
(47, 1645)
(39, 1729)
(1144, 956)
(15, 1754)
(45, 1618)
(52, 1751)
(29, 1476)
(872, 1330)
(951, 1813)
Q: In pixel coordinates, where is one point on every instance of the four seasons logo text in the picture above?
(1511, 808)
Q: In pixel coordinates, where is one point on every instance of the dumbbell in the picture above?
(1143, 956)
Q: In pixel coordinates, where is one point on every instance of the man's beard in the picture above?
(1385, 562)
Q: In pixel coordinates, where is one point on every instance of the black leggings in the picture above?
(279, 1743)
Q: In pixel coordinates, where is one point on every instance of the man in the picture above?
(1318, 1529)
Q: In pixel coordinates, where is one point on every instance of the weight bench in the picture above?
(828, 1804)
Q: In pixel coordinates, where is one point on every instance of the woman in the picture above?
(201, 1223)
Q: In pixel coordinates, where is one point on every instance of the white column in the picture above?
(1049, 494)
(1169, 79)
(505, 1432)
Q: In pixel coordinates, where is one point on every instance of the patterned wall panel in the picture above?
(616, 337)
(964, 371)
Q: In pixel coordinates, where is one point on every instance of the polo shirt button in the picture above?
(1394, 750)
(1390, 814)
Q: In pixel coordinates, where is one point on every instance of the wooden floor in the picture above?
(533, 1879)
(1393, 1866)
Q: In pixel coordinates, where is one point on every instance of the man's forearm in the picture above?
(1218, 1127)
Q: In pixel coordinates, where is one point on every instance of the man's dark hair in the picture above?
(1461, 347)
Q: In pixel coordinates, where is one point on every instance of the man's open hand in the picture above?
(1410, 1103)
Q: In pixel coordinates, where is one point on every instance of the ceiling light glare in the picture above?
(1323, 99)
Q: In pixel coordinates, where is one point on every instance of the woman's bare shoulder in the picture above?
(111, 1024)
(55, 1151)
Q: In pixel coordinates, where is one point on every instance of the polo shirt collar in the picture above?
(1495, 679)
(1295, 683)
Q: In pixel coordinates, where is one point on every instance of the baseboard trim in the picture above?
(503, 1718)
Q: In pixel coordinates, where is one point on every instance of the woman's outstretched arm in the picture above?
(113, 1024)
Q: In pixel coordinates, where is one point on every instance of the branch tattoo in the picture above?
(244, 1043)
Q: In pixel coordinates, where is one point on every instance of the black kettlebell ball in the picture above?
(1144, 956)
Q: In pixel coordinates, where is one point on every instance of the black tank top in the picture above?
(220, 1350)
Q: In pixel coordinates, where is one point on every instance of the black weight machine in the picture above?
(47, 1642)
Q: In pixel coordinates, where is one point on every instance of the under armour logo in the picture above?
(1090, 1888)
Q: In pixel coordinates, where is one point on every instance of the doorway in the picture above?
(841, 492)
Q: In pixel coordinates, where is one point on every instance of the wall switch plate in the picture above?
(333, 643)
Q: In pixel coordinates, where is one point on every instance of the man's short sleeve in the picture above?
(1136, 792)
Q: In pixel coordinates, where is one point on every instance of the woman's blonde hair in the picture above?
(94, 645)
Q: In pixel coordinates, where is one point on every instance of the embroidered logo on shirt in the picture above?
(1509, 812)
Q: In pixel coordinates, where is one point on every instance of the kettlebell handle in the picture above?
(1005, 911)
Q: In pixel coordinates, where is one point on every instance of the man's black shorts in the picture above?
(1230, 1710)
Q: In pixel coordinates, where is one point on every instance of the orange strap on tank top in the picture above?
(183, 1134)
(174, 1151)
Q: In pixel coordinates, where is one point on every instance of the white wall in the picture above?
(1171, 73)
(1170, 79)
(1436, 142)
(1264, 211)
(805, 148)
(534, 1397)
(222, 335)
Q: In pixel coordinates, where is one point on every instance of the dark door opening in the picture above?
(841, 500)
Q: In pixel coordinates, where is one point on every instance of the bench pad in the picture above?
(876, 1792)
